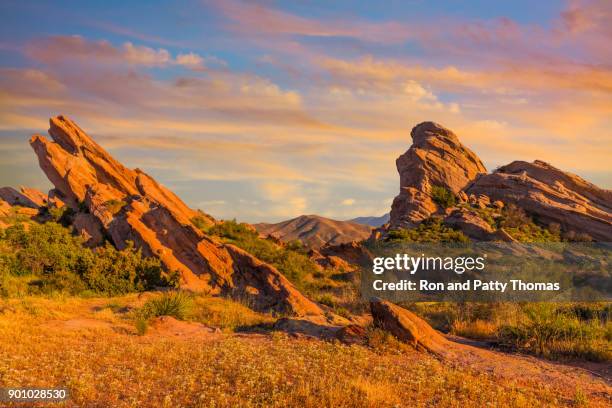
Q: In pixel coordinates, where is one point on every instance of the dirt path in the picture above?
(521, 368)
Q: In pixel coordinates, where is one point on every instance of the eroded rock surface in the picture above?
(552, 195)
(129, 205)
(26, 197)
(436, 158)
(407, 327)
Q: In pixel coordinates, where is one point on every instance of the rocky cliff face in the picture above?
(552, 195)
(129, 205)
(436, 158)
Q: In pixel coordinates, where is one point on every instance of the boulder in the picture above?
(470, 224)
(352, 334)
(129, 205)
(407, 327)
(353, 253)
(436, 158)
(554, 196)
(27, 197)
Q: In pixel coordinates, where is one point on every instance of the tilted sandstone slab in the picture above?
(552, 195)
(26, 197)
(129, 205)
(407, 327)
(436, 158)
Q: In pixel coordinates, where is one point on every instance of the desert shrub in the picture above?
(564, 330)
(61, 215)
(142, 325)
(114, 206)
(513, 217)
(175, 304)
(226, 314)
(290, 260)
(202, 221)
(517, 223)
(326, 299)
(430, 230)
(550, 331)
(58, 260)
(443, 196)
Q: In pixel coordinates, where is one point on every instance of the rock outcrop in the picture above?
(353, 253)
(436, 158)
(26, 197)
(470, 224)
(407, 327)
(128, 205)
(315, 231)
(552, 195)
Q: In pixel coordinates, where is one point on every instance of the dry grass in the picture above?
(477, 329)
(105, 365)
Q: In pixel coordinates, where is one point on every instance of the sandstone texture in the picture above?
(407, 327)
(26, 197)
(436, 158)
(125, 205)
(552, 195)
(470, 224)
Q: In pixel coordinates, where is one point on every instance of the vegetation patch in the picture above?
(290, 260)
(51, 259)
(443, 196)
(430, 230)
(114, 206)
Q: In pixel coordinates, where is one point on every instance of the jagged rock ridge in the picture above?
(436, 158)
(129, 205)
(552, 195)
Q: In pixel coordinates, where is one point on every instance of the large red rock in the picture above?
(407, 327)
(436, 158)
(26, 197)
(129, 205)
(552, 195)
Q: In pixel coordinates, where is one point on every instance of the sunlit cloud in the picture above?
(307, 114)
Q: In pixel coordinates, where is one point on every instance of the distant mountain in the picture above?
(315, 231)
(372, 221)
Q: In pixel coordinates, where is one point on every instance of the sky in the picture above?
(266, 110)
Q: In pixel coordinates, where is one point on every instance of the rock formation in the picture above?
(552, 195)
(407, 327)
(315, 231)
(128, 205)
(436, 158)
(26, 197)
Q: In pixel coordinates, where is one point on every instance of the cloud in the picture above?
(65, 49)
(259, 19)
(348, 201)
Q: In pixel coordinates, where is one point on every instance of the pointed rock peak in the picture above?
(68, 134)
(436, 159)
(426, 130)
(130, 207)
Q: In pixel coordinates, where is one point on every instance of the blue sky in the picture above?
(265, 110)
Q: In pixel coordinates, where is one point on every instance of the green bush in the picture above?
(521, 227)
(430, 230)
(58, 261)
(290, 260)
(114, 206)
(175, 304)
(443, 196)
